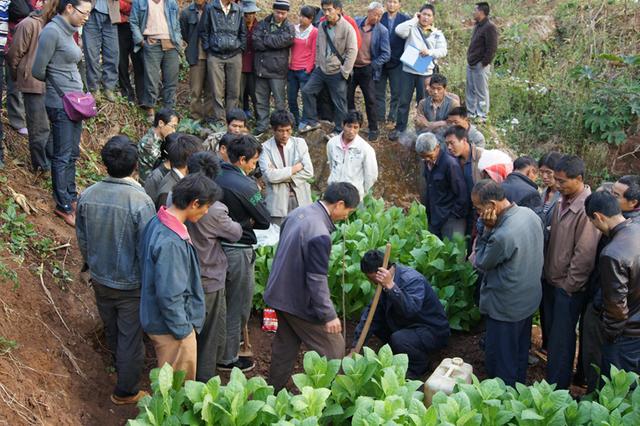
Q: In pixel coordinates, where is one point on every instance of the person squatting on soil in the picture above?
(115, 207)
(409, 315)
(298, 286)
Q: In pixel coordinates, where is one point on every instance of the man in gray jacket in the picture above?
(298, 287)
(110, 218)
(510, 253)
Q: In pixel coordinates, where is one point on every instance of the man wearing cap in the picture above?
(271, 41)
(224, 37)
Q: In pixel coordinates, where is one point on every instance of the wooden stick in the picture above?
(50, 298)
(374, 304)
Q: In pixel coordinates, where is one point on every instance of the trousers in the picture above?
(160, 65)
(66, 151)
(211, 339)
(100, 36)
(507, 346)
(201, 91)
(125, 48)
(363, 77)
(394, 77)
(40, 140)
(408, 84)
(224, 76)
(337, 88)
(265, 87)
(477, 90)
(182, 354)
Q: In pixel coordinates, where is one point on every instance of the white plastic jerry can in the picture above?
(445, 377)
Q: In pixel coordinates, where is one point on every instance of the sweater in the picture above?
(484, 43)
(57, 60)
(511, 256)
(205, 235)
(298, 282)
(303, 51)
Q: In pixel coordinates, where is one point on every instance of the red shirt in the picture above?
(303, 52)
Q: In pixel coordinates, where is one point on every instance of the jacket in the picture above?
(138, 22)
(22, 53)
(511, 256)
(110, 218)
(114, 10)
(4, 24)
(619, 266)
(346, 44)
(484, 43)
(475, 136)
(172, 299)
(165, 187)
(357, 165)
(223, 35)
(425, 116)
(380, 50)
(271, 44)
(436, 43)
(189, 21)
(446, 192)
(396, 43)
(244, 200)
(205, 236)
(410, 303)
(571, 252)
(298, 282)
(248, 54)
(56, 60)
(279, 181)
(523, 191)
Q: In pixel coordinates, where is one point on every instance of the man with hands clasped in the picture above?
(409, 315)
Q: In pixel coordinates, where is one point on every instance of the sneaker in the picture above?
(68, 217)
(127, 400)
(373, 135)
(23, 131)
(304, 128)
(394, 135)
(111, 97)
(243, 363)
(257, 133)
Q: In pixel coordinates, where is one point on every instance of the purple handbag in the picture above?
(78, 106)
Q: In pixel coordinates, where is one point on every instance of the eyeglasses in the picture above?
(81, 12)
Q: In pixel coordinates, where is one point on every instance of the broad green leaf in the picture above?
(248, 412)
(165, 379)
(194, 390)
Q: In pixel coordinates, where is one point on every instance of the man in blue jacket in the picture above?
(372, 55)
(110, 217)
(392, 70)
(446, 198)
(172, 308)
(298, 287)
(409, 315)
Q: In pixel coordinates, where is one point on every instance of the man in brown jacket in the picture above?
(337, 47)
(20, 60)
(570, 258)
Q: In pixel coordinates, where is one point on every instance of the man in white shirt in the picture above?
(351, 159)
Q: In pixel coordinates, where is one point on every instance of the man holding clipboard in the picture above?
(423, 46)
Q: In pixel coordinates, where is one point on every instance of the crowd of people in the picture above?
(168, 236)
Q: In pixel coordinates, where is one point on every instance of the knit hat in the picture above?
(281, 5)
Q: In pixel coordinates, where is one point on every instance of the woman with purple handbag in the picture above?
(56, 63)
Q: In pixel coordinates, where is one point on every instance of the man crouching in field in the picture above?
(298, 286)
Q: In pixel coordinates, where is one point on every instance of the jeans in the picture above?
(15, 103)
(211, 339)
(224, 76)
(239, 287)
(66, 150)
(337, 87)
(125, 47)
(624, 353)
(265, 87)
(292, 331)
(394, 76)
(363, 77)
(99, 35)
(120, 314)
(160, 63)
(248, 92)
(40, 140)
(477, 90)
(201, 92)
(507, 349)
(562, 311)
(408, 84)
(295, 82)
(417, 343)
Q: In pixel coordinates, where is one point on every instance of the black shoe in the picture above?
(394, 135)
(243, 363)
(373, 135)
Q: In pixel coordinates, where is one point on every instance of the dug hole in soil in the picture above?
(59, 371)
